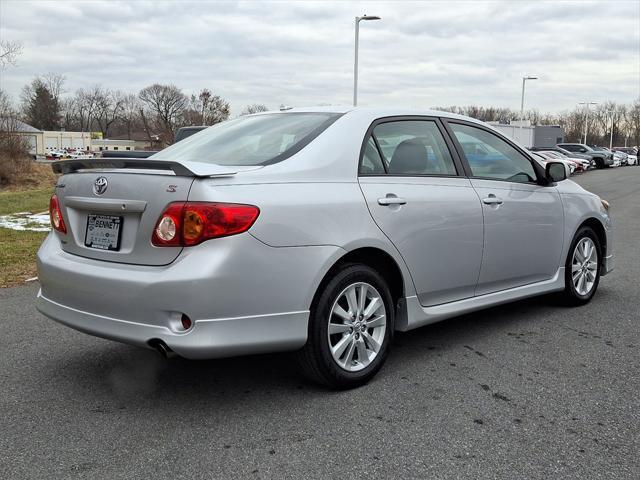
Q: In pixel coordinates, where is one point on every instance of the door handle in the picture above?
(392, 201)
(492, 200)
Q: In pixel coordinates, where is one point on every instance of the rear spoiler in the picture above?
(184, 169)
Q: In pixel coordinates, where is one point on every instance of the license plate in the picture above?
(103, 232)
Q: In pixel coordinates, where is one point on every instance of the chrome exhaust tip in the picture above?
(162, 348)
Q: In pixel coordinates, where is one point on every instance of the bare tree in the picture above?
(633, 122)
(9, 52)
(55, 83)
(14, 159)
(165, 105)
(205, 98)
(130, 113)
(218, 110)
(109, 105)
(254, 108)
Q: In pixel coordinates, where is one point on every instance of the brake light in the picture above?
(55, 214)
(190, 223)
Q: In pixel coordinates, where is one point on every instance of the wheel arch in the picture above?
(597, 226)
(375, 258)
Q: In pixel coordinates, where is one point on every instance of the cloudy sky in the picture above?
(421, 54)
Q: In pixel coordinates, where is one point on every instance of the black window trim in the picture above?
(457, 163)
(537, 168)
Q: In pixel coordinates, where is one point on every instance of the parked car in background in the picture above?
(185, 132)
(622, 157)
(602, 159)
(627, 150)
(322, 230)
(632, 154)
(543, 159)
(567, 153)
(582, 164)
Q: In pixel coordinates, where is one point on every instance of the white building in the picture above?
(41, 142)
(100, 145)
(55, 140)
(521, 132)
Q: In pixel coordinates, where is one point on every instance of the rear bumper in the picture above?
(242, 296)
(222, 337)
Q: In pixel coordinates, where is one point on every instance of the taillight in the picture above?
(190, 223)
(167, 232)
(55, 214)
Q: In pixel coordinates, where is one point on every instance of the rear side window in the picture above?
(371, 160)
(251, 140)
(491, 157)
(410, 147)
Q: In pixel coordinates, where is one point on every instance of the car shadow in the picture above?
(123, 373)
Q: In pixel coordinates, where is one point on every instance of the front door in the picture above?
(523, 220)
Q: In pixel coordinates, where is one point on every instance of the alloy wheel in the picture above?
(357, 326)
(584, 266)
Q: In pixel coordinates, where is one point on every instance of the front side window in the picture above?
(411, 147)
(491, 157)
(250, 140)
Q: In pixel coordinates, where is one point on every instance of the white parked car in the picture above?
(583, 164)
(543, 159)
(632, 155)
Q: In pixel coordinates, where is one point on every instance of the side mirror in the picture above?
(556, 171)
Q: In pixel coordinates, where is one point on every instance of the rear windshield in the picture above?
(251, 140)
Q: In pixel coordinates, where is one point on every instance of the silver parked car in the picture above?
(319, 230)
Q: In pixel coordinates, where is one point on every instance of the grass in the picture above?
(34, 201)
(18, 255)
(18, 248)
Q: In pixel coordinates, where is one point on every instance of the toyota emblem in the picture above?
(100, 185)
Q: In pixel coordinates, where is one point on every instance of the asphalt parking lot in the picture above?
(528, 390)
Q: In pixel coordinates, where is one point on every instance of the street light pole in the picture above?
(524, 79)
(611, 136)
(355, 63)
(586, 118)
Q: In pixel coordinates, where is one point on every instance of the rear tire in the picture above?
(582, 268)
(350, 328)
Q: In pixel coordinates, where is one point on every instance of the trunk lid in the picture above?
(99, 205)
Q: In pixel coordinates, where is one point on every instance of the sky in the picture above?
(420, 55)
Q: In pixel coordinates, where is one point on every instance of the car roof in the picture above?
(374, 112)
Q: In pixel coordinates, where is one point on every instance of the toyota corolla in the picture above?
(320, 231)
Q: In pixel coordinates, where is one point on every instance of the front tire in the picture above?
(582, 269)
(350, 328)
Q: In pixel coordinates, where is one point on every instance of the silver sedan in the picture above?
(321, 231)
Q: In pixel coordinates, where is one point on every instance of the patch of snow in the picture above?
(26, 221)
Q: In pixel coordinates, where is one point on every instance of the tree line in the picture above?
(156, 111)
(599, 120)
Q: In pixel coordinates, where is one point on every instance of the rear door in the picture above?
(523, 220)
(410, 180)
(110, 215)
